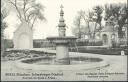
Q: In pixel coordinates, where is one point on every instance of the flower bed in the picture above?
(19, 54)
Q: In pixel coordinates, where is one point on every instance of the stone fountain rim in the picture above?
(64, 37)
(26, 66)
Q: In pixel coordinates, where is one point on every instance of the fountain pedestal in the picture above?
(62, 44)
(62, 54)
(62, 51)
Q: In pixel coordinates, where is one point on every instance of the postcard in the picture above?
(64, 40)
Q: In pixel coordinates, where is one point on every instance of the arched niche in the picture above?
(105, 39)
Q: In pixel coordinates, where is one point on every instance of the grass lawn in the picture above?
(100, 50)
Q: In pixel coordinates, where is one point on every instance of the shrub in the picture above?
(115, 51)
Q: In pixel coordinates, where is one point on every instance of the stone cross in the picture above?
(61, 6)
(61, 24)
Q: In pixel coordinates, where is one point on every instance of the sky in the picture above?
(51, 13)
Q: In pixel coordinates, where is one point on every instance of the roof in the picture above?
(21, 26)
(109, 28)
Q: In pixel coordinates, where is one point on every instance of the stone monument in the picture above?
(109, 34)
(23, 37)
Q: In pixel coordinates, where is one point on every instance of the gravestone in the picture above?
(23, 37)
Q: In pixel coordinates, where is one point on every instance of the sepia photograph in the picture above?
(64, 40)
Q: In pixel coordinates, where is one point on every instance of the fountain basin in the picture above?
(75, 64)
(65, 39)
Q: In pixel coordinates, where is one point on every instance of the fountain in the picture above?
(63, 59)
(62, 42)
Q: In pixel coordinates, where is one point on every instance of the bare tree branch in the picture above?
(30, 11)
(24, 9)
(30, 16)
(27, 9)
(15, 5)
(33, 22)
(88, 24)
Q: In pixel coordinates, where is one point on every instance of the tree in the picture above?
(89, 28)
(98, 10)
(97, 18)
(118, 11)
(28, 11)
(87, 19)
(3, 23)
(4, 14)
(77, 24)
